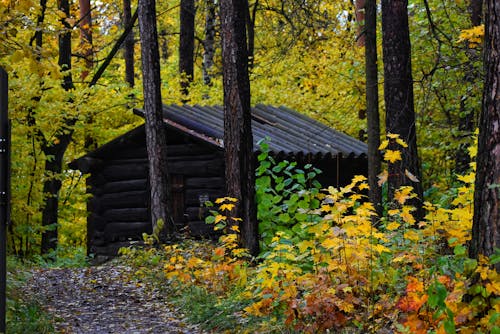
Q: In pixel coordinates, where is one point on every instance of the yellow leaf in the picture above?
(393, 212)
(392, 156)
(363, 186)
(404, 193)
(330, 243)
(359, 178)
(235, 228)
(411, 235)
(226, 207)
(393, 135)
(218, 218)
(392, 226)
(401, 142)
(407, 216)
(383, 145)
(304, 245)
(469, 178)
(381, 248)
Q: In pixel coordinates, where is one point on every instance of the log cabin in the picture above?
(118, 210)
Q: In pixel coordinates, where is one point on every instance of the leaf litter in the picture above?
(104, 299)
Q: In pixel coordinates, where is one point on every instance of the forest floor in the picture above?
(104, 299)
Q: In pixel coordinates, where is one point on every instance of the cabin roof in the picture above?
(289, 131)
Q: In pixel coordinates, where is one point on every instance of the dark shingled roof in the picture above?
(288, 130)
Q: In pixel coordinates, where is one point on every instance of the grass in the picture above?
(25, 314)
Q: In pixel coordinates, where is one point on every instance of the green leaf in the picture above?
(460, 250)
(449, 326)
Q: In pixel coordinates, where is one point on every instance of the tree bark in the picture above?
(466, 120)
(476, 12)
(360, 22)
(54, 151)
(86, 35)
(156, 140)
(238, 143)
(372, 110)
(486, 223)
(128, 47)
(398, 94)
(38, 36)
(250, 18)
(209, 42)
(186, 44)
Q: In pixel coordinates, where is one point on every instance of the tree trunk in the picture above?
(476, 12)
(466, 121)
(86, 35)
(51, 188)
(238, 143)
(55, 150)
(486, 224)
(209, 42)
(186, 44)
(372, 111)
(250, 18)
(360, 22)
(128, 47)
(398, 93)
(38, 36)
(156, 140)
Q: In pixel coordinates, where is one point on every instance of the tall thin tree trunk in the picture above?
(209, 42)
(486, 224)
(186, 44)
(86, 35)
(238, 142)
(55, 150)
(398, 94)
(128, 47)
(372, 111)
(466, 121)
(250, 18)
(360, 22)
(87, 52)
(156, 140)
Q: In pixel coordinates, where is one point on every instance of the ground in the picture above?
(103, 299)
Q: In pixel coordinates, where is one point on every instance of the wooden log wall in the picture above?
(119, 208)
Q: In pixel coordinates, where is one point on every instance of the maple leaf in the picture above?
(411, 302)
(392, 156)
(414, 285)
(404, 193)
(359, 178)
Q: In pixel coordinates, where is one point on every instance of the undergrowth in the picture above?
(25, 314)
(326, 268)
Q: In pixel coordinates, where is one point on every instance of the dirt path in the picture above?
(99, 300)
